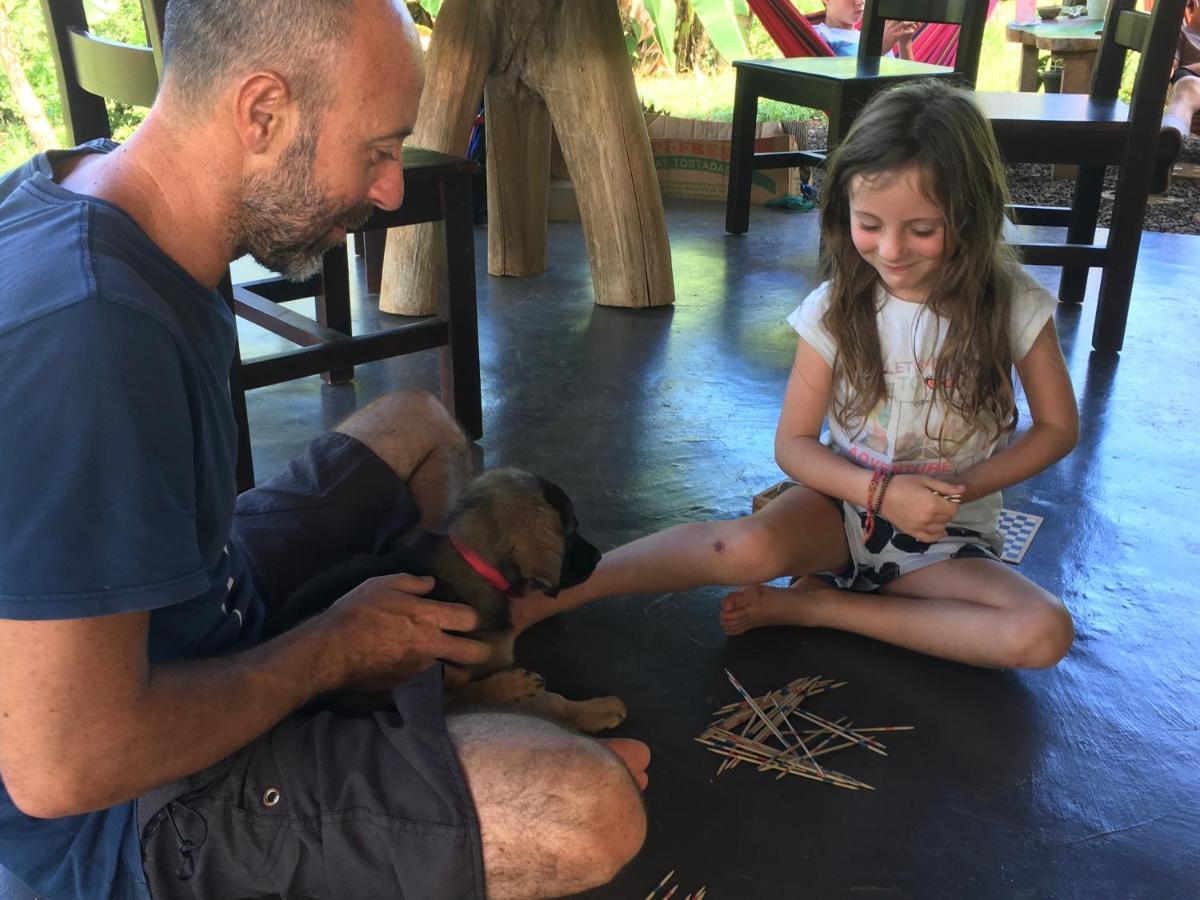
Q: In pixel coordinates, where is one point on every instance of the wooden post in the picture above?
(593, 102)
(542, 60)
(518, 166)
(459, 58)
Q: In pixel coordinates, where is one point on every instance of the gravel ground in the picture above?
(1177, 210)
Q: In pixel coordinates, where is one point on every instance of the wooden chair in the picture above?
(1097, 130)
(840, 86)
(437, 188)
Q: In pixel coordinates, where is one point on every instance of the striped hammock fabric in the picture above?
(794, 35)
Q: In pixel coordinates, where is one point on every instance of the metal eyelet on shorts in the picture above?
(271, 796)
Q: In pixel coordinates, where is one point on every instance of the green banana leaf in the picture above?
(720, 21)
(662, 14)
(431, 7)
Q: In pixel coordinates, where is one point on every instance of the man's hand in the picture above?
(912, 504)
(384, 633)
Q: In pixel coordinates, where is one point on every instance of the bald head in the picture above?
(210, 43)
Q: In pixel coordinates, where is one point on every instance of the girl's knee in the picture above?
(1042, 632)
(750, 549)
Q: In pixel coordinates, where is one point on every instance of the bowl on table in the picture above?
(1049, 13)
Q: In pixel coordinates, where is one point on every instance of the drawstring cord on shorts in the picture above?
(187, 865)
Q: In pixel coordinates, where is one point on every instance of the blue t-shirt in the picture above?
(843, 41)
(118, 486)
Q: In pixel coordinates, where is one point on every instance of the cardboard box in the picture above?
(762, 498)
(692, 159)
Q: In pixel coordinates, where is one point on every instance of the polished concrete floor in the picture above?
(1083, 781)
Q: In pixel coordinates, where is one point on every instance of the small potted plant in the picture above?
(1050, 74)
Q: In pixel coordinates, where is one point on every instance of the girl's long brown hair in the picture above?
(939, 130)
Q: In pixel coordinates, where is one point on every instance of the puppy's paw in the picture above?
(509, 686)
(598, 714)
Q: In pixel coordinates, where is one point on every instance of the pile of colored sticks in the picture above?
(671, 892)
(747, 731)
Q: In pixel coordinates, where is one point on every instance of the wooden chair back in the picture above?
(1096, 131)
(1152, 35)
(91, 69)
(969, 15)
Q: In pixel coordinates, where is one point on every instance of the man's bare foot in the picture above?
(635, 755)
(759, 605)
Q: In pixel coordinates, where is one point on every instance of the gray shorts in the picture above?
(891, 553)
(322, 806)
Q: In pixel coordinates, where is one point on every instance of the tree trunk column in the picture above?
(414, 261)
(590, 92)
(518, 160)
(559, 60)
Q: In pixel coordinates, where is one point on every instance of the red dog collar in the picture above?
(485, 570)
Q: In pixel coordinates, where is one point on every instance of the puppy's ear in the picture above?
(537, 551)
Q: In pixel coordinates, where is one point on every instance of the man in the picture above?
(147, 736)
(1183, 101)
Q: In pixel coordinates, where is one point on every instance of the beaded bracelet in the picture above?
(883, 486)
(872, 486)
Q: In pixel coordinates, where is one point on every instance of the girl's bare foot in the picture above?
(759, 605)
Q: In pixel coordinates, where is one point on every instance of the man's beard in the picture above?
(283, 218)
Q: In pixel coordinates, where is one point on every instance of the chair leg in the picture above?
(460, 356)
(374, 244)
(244, 470)
(333, 304)
(741, 155)
(245, 457)
(1085, 211)
(1124, 239)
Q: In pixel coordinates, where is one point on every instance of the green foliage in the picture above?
(25, 16)
(720, 21)
(119, 20)
(710, 98)
(663, 14)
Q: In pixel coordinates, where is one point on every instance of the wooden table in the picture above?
(1074, 42)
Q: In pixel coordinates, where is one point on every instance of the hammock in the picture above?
(794, 35)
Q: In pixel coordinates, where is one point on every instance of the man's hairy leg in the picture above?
(558, 813)
(415, 434)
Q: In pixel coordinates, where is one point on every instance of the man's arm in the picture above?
(86, 722)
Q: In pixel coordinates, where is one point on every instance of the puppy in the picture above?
(510, 533)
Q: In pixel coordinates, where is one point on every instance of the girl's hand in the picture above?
(912, 504)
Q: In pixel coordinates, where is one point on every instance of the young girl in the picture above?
(907, 351)
(840, 32)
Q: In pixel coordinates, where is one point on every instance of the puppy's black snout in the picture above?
(579, 562)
